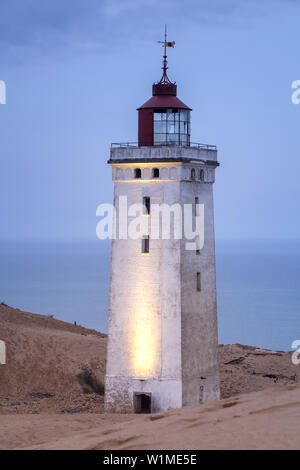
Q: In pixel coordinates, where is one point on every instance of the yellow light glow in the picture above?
(144, 346)
(145, 321)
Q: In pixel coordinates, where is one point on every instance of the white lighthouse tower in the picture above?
(162, 337)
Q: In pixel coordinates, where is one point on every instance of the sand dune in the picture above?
(43, 404)
(261, 420)
(44, 356)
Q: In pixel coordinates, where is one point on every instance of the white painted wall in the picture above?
(155, 309)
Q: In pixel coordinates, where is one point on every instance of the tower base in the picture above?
(128, 395)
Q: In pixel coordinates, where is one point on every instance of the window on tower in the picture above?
(193, 174)
(137, 173)
(146, 204)
(201, 175)
(198, 245)
(155, 173)
(198, 282)
(145, 244)
(196, 206)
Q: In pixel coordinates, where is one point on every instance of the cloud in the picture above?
(33, 28)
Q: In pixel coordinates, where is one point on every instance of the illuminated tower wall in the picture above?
(163, 330)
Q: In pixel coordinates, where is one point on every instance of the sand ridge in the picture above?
(257, 421)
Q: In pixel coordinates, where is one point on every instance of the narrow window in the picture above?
(137, 173)
(145, 244)
(201, 175)
(193, 174)
(146, 204)
(198, 282)
(155, 173)
(196, 205)
(198, 245)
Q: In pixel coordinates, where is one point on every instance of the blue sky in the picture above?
(77, 70)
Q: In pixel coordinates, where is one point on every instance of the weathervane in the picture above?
(165, 43)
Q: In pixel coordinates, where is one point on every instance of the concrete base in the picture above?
(165, 394)
(119, 394)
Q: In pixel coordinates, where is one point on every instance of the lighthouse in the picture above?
(162, 336)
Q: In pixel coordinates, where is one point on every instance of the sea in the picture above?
(258, 286)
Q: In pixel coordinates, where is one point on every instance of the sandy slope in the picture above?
(262, 420)
(246, 369)
(18, 431)
(44, 356)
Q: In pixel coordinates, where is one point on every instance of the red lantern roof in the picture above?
(164, 101)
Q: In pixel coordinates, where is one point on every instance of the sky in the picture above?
(76, 71)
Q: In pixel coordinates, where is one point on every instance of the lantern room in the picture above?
(164, 119)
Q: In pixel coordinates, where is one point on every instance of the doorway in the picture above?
(142, 403)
